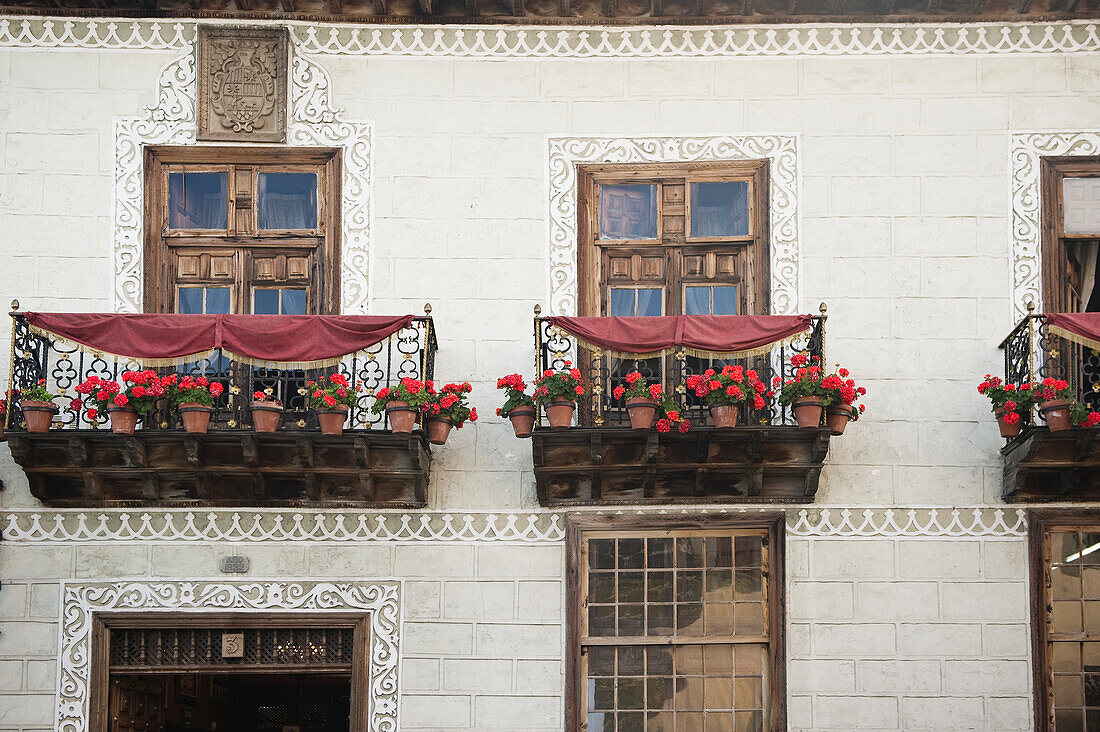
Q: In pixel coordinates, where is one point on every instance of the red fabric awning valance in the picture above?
(726, 335)
(1083, 328)
(298, 341)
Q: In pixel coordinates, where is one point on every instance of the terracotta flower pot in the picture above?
(332, 420)
(123, 420)
(1007, 430)
(642, 412)
(402, 417)
(265, 416)
(807, 411)
(523, 420)
(1056, 414)
(195, 417)
(38, 415)
(837, 417)
(438, 429)
(559, 413)
(724, 416)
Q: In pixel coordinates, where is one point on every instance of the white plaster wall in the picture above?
(905, 233)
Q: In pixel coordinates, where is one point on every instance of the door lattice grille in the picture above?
(189, 648)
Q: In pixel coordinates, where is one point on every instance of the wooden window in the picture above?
(675, 625)
(1071, 234)
(176, 670)
(1065, 587)
(242, 230)
(671, 239)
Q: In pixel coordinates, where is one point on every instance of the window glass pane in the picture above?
(725, 301)
(217, 300)
(720, 209)
(696, 301)
(265, 302)
(190, 301)
(649, 302)
(294, 302)
(1081, 205)
(287, 201)
(198, 200)
(628, 211)
(622, 302)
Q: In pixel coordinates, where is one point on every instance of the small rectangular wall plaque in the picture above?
(242, 84)
(232, 645)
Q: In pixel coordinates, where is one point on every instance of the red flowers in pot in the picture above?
(840, 405)
(446, 410)
(403, 402)
(37, 406)
(804, 393)
(331, 398)
(642, 399)
(518, 406)
(723, 392)
(266, 411)
(1009, 403)
(557, 392)
(1054, 398)
(4, 416)
(193, 397)
(123, 405)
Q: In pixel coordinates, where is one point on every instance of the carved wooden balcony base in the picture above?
(596, 466)
(1053, 466)
(92, 468)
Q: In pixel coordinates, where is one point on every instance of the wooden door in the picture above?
(137, 704)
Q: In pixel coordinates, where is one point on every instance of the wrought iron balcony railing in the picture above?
(410, 352)
(602, 372)
(1033, 353)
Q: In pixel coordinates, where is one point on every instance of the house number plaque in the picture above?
(232, 645)
(242, 84)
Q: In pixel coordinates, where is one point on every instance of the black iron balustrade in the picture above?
(602, 372)
(1033, 353)
(408, 353)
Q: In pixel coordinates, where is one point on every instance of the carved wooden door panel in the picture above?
(137, 704)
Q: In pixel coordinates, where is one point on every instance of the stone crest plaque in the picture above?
(242, 84)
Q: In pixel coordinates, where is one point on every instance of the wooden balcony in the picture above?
(81, 463)
(613, 466)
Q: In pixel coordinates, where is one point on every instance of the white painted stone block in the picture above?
(820, 600)
(740, 78)
(941, 558)
(985, 601)
(536, 676)
(939, 639)
(477, 674)
(897, 600)
(528, 712)
(27, 638)
(434, 561)
(540, 600)
(986, 677)
(421, 599)
(582, 78)
(855, 712)
(862, 639)
(900, 676)
(427, 638)
(433, 711)
(11, 675)
(818, 676)
(939, 712)
(530, 641)
(479, 600)
(420, 674)
(852, 559)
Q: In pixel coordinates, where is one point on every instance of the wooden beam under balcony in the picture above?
(1043, 466)
(95, 468)
(619, 466)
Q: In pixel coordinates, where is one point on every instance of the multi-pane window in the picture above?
(676, 629)
(242, 230)
(674, 239)
(1066, 581)
(1071, 234)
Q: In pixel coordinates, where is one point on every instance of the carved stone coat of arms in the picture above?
(242, 84)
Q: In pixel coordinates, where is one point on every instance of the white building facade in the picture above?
(905, 192)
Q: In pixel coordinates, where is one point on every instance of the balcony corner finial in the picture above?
(427, 308)
(823, 308)
(14, 306)
(538, 310)
(1030, 306)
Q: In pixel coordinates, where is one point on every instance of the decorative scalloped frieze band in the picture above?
(565, 153)
(1027, 150)
(81, 600)
(181, 525)
(890, 39)
(313, 122)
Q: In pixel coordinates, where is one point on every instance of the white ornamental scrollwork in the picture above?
(1027, 150)
(181, 526)
(81, 600)
(473, 41)
(313, 121)
(565, 153)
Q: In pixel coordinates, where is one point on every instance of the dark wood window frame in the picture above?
(578, 525)
(1040, 522)
(1055, 264)
(323, 279)
(674, 241)
(104, 622)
